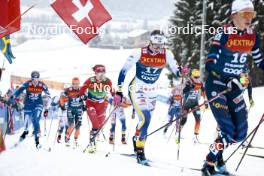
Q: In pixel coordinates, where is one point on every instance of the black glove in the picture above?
(63, 108)
(84, 97)
(84, 108)
(206, 105)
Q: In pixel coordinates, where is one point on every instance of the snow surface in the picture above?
(76, 60)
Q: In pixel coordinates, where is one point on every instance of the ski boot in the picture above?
(38, 146)
(111, 139)
(141, 159)
(59, 138)
(196, 139)
(67, 141)
(209, 169)
(92, 148)
(134, 139)
(76, 144)
(220, 165)
(23, 136)
(123, 139)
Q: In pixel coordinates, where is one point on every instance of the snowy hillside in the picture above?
(26, 160)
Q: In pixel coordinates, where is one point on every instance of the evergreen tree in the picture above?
(187, 47)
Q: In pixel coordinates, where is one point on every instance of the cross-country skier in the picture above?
(74, 111)
(175, 108)
(192, 92)
(62, 115)
(95, 89)
(33, 103)
(226, 62)
(119, 114)
(149, 62)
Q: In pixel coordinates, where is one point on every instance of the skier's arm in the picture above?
(84, 87)
(20, 89)
(219, 41)
(112, 91)
(187, 87)
(130, 62)
(46, 91)
(249, 88)
(171, 61)
(257, 54)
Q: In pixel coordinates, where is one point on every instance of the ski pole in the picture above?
(255, 132)
(180, 127)
(99, 130)
(190, 111)
(50, 126)
(114, 134)
(171, 134)
(130, 124)
(242, 143)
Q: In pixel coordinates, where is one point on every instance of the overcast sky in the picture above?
(140, 9)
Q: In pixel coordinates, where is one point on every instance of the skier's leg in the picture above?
(238, 111)
(70, 129)
(183, 119)
(171, 114)
(27, 116)
(197, 116)
(143, 109)
(78, 123)
(220, 110)
(123, 123)
(35, 120)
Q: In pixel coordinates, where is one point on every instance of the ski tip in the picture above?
(107, 154)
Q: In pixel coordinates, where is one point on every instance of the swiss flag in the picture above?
(84, 17)
(9, 17)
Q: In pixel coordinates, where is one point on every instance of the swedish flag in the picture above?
(5, 47)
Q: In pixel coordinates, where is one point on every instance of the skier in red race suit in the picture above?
(95, 90)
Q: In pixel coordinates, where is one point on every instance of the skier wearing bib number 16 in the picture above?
(225, 64)
(149, 62)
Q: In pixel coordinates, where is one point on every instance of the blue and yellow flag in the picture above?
(5, 47)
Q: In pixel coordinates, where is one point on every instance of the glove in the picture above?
(117, 98)
(252, 103)
(11, 101)
(84, 97)
(206, 106)
(63, 108)
(184, 70)
(234, 84)
(244, 80)
(133, 115)
(46, 113)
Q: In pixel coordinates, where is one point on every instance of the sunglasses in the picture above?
(157, 46)
(247, 14)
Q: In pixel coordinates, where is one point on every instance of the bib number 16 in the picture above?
(239, 58)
